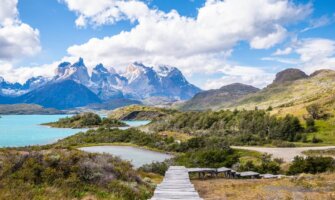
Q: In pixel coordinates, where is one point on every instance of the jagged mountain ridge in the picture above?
(138, 82)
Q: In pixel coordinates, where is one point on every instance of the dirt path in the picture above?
(287, 154)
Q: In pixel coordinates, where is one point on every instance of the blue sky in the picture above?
(240, 42)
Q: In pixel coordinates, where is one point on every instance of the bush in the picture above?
(310, 125)
(311, 164)
(214, 158)
(267, 165)
(156, 167)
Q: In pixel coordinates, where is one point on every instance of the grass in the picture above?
(176, 135)
(317, 187)
(326, 152)
(246, 155)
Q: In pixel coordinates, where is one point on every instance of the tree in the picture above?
(310, 125)
(315, 111)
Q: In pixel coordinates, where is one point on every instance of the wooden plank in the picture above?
(176, 185)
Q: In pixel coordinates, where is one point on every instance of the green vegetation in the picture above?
(266, 165)
(238, 127)
(138, 112)
(86, 120)
(326, 152)
(311, 164)
(68, 174)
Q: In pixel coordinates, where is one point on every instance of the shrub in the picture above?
(311, 164)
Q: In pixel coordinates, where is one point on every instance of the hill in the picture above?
(294, 96)
(86, 120)
(213, 99)
(290, 74)
(138, 112)
(27, 109)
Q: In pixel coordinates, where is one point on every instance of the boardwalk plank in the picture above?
(176, 185)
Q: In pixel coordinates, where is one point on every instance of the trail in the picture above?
(287, 153)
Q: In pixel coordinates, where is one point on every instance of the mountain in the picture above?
(9, 89)
(163, 81)
(294, 96)
(143, 81)
(60, 95)
(76, 72)
(137, 83)
(35, 82)
(107, 84)
(213, 99)
(175, 84)
(290, 74)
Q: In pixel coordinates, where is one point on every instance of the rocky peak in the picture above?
(77, 72)
(290, 74)
(164, 70)
(34, 82)
(100, 69)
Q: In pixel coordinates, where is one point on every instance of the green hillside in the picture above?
(138, 112)
(294, 96)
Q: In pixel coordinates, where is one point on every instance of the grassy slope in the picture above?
(120, 113)
(294, 97)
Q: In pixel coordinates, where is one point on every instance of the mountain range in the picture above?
(72, 86)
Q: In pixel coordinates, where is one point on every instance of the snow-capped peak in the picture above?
(100, 69)
(135, 71)
(77, 72)
(164, 70)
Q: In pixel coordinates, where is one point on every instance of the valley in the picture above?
(240, 127)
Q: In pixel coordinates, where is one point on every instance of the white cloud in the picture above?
(17, 39)
(265, 42)
(311, 50)
(8, 10)
(199, 44)
(316, 53)
(319, 22)
(21, 74)
(100, 12)
(280, 52)
(241, 74)
(312, 54)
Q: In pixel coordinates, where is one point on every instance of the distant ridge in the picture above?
(60, 95)
(213, 99)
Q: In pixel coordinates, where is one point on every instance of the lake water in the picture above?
(23, 130)
(136, 156)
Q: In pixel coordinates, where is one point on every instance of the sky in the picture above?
(213, 42)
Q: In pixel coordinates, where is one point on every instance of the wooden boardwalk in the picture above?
(176, 185)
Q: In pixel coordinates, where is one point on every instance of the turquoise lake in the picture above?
(137, 156)
(23, 130)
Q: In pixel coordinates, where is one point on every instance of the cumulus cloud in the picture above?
(21, 74)
(100, 12)
(312, 54)
(17, 39)
(199, 44)
(316, 53)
